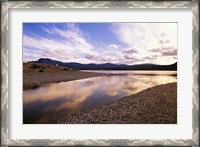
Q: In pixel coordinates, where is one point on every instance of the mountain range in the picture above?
(106, 66)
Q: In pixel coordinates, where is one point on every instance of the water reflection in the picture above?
(52, 102)
(135, 72)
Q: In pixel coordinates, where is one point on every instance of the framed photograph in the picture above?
(99, 73)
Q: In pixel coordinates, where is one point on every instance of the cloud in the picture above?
(165, 51)
(150, 58)
(154, 56)
(92, 58)
(162, 41)
(155, 50)
(61, 44)
(129, 57)
(145, 34)
(102, 58)
(133, 58)
(108, 59)
(170, 53)
(72, 37)
(129, 51)
(152, 39)
(112, 46)
(135, 43)
(42, 47)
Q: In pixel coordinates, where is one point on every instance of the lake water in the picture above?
(52, 102)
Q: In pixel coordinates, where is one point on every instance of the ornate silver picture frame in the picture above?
(5, 6)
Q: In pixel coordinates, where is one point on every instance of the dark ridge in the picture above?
(106, 66)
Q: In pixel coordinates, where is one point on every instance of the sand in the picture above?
(155, 105)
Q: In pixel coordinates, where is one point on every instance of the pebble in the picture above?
(150, 106)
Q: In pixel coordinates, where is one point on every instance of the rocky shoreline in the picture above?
(155, 105)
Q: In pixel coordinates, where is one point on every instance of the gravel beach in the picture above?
(35, 79)
(34, 75)
(155, 105)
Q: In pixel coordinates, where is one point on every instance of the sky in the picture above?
(118, 43)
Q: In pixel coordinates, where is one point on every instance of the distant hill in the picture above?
(106, 66)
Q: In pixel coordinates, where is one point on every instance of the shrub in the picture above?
(41, 70)
(64, 69)
(35, 66)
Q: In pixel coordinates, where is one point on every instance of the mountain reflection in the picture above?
(52, 102)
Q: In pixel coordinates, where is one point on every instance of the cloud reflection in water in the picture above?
(52, 102)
